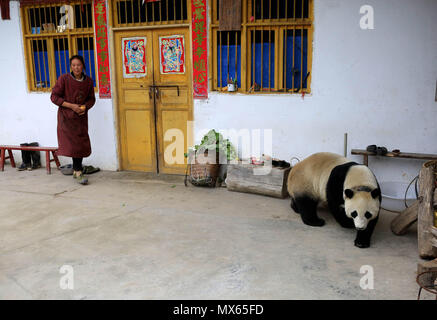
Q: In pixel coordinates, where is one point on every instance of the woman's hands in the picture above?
(79, 109)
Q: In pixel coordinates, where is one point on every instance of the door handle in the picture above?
(150, 93)
(156, 93)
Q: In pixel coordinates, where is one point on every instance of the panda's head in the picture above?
(362, 205)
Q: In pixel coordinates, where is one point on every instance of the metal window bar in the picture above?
(89, 70)
(227, 59)
(160, 12)
(292, 60)
(79, 8)
(57, 48)
(66, 60)
(33, 64)
(221, 60)
(86, 16)
(132, 12)
(236, 56)
(119, 12)
(277, 10)
(254, 57)
(262, 57)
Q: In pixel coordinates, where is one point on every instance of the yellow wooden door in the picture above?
(174, 99)
(153, 108)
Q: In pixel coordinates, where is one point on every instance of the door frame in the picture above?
(115, 99)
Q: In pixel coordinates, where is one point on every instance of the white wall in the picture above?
(28, 117)
(376, 85)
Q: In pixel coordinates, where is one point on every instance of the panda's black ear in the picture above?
(376, 193)
(349, 193)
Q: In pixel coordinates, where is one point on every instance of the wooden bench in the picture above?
(10, 156)
(405, 155)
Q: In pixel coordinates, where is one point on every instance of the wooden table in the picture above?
(405, 155)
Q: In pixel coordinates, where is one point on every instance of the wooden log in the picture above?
(246, 178)
(425, 218)
(400, 224)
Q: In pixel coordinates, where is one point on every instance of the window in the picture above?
(50, 39)
(129, 13)
(272, 51)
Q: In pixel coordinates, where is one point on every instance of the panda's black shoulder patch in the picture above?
(334, 187)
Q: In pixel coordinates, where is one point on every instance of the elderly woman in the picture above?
(74, 95)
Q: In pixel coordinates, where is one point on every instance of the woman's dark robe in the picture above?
(73, 139)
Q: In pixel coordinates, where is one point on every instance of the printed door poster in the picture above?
(134, 57)
(101, 36)
(200, 51)
(172, 60)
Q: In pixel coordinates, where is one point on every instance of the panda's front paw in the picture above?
(361, 244)
(315, 222)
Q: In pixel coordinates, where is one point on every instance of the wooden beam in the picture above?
(406, 155)
(400, 224)
(426, 211)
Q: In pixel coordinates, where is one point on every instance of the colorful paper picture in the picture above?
(134, 57)
(172, 53)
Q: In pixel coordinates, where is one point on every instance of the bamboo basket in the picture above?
(203, 171)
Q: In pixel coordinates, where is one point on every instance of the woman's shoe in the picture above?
(80, 178)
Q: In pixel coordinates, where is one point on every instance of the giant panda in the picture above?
(350, 191)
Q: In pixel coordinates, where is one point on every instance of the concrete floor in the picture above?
(136, 236)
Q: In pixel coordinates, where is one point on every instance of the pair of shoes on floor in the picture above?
(80, 178)
(31, 159)
(380, 151)
(25, 166)
(68, 169)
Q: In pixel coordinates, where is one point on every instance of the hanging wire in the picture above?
(415, 189)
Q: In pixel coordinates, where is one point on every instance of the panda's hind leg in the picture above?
(294, 206)
(307, 207)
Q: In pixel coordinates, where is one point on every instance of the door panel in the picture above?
(169, 97)
(136, 110)
(140, 145)
(172, 110)
(136, 96)
(174, 126)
